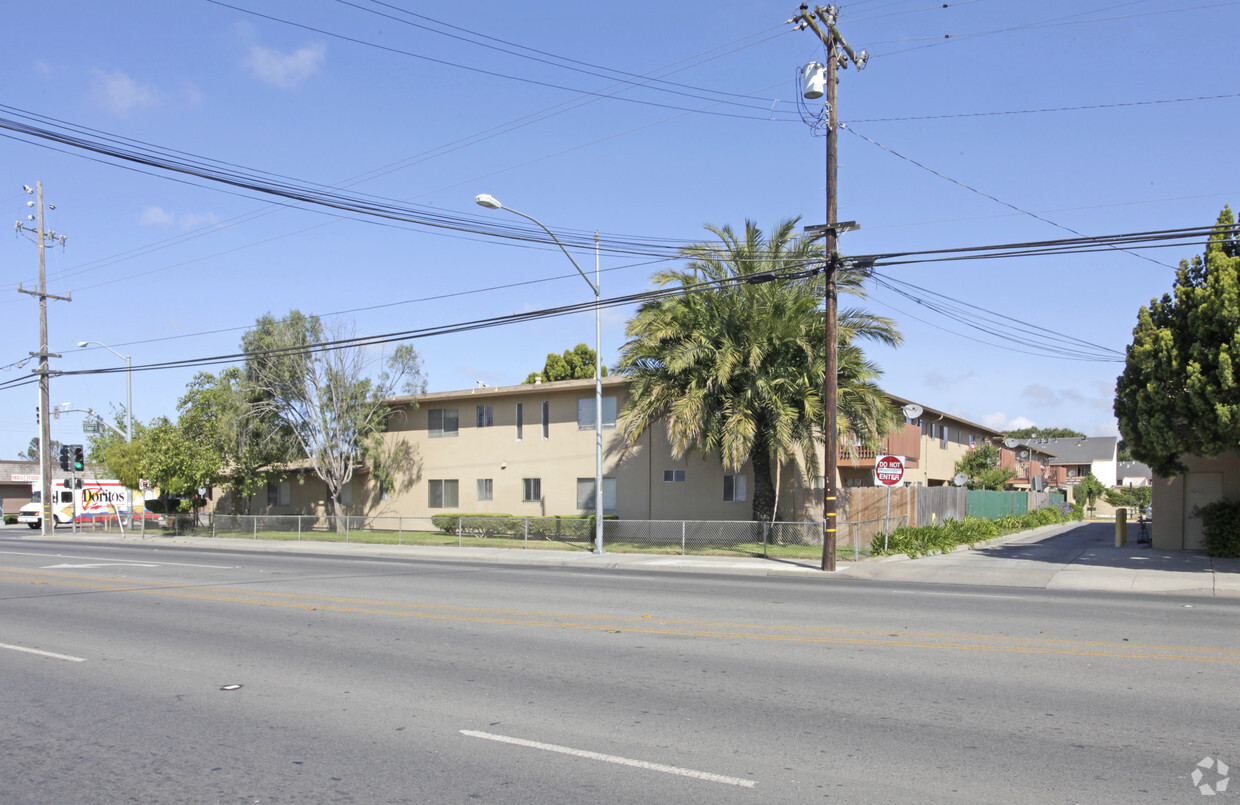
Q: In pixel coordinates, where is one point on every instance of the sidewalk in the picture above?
(1078, 556)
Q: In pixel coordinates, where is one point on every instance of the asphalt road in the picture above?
(383, 680)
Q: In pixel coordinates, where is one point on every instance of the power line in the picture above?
(982, 193)
(1050, 109)
(490, 73)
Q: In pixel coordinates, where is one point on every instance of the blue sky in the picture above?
(352, 94)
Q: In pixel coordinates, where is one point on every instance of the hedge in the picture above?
(572, 526)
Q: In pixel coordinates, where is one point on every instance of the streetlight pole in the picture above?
(491, 203)
(128, 408)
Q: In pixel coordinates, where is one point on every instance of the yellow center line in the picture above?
(636, 624)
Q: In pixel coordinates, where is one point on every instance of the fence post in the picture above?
(765, 529)
(212, 525)
(682, 537)
(346, 528)
(400, 529)
(299, 528)
(254, 522)
(458, 531)
(527, 533)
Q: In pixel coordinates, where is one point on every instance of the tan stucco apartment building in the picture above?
(529, 451)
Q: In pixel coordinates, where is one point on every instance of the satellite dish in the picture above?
(961, 479)
(1024, 455)
(912, 410)
(1010, 443)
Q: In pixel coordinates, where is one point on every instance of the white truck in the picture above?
(92, 499)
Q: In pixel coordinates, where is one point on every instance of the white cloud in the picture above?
(936, 379)
(1109, 428)
(155, 216)
(1002, 422)
(1042, 395)
(158, 216)
(192, 220)
(284, 70)
(120, 94)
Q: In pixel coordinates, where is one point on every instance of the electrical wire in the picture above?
(615, 95)
(984, 194)
(1049, 109)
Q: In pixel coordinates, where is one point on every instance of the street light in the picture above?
(128, 387)
(491, 203)
(128, 407)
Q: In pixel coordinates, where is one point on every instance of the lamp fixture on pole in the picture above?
(491, 203)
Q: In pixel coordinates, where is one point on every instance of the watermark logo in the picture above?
(1219, 778)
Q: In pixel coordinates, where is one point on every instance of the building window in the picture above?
(585, 494)
(531, 490)
(486, 488)
(486, 416)
(520, 419)
(346, 495)
(442, 422)
(546, 419)
(279, 493)
(673, 476)
(383, 492)
(585, 412)
(442, 494)
(972, 441)
(734, 487)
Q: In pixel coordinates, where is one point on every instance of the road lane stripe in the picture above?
(43, 653)
(95, 559)
(623, 761)
(655, 625)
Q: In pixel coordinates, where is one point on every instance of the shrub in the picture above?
(564, 527)
(1220, 522)
(10, 519)
(920, 540)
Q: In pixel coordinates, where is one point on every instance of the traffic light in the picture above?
(64, 456)
(79, 462)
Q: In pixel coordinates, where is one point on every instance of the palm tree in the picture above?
(737, 368)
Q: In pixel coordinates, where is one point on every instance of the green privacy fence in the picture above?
(990, 505)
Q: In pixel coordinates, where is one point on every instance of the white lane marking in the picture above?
(96, 559)
(100, 564)
(624, 761)
(43, 653)
(961, 595)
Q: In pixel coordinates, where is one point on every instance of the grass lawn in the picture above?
(844, 552)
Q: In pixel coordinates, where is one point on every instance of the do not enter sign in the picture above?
(889, 470)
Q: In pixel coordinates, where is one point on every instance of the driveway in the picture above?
(1080, 556)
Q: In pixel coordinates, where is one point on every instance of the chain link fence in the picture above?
(778, 540)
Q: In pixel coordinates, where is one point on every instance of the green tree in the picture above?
(981, 464)
(326, 398)
(1088, 490)
(574, 364)
(1133, 497)
(32, 451)
(218, 413)
(120, 459)
(737, 369)
(1044, 433)
(1179, 394)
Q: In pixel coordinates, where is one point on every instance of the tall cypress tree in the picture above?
(1178, 395)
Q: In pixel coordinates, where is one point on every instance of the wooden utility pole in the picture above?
(45, 425)
(839, 54)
